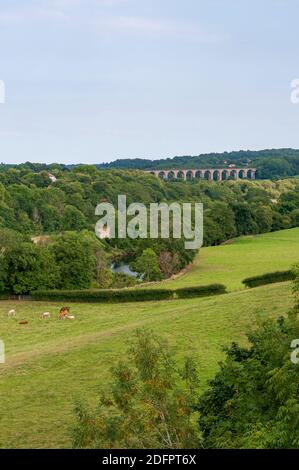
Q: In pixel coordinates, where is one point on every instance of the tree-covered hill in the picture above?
(271, 163)
(275, 163)
(61, 205)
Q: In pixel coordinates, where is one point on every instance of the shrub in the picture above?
(127, 295)
(4, 296)
(201, 291)
(269, 278)
(150, 403)
(104, 295)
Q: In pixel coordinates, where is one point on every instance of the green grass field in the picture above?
(50, 363)
(243, 257)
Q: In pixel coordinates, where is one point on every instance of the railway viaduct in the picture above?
(212, 174)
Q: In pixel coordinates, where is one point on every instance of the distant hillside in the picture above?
(271, 164)
(274, 163)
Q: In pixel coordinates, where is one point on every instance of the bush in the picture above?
(269, 278)
(201, 291)
(127, 295)
(104, 295)
(4, 296)
(150, 403)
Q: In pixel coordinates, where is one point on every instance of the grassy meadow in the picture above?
(242, 257)
(50, 364)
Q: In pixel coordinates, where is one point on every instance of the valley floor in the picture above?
(50, 364)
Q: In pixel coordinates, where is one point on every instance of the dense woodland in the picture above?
(271, 163)
(276, 163)
(59, 216)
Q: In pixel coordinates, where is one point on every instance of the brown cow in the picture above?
(64, 312)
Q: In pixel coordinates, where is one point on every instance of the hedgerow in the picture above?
(127, 295)
(269, 278)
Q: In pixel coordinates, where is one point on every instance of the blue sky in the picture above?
(95, 80)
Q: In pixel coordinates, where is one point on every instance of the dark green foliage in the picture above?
(4, 296)
(280, 221)
(289, 202)
(200, 291)
(128, 295)
(244, 217)
(149, 404)
(269, 278)
(105, 295)
(274, 163)
(294, 215)
(223, 218)
(74, 255)
(147, 266)
(121, 280)
(278, 167)
(263, 216)
(30, 267)
(253, 402)
(32, 204)
(73, 219)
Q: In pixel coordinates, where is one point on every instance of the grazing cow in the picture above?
(11, 313)
(64, 312)
(46, 315)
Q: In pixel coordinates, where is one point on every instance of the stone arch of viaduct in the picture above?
(212, 174)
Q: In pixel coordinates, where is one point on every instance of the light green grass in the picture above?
(51, 363)
(243, 257)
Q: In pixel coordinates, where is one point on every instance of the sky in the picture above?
(90, 81)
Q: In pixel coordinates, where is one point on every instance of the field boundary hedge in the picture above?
(4, 296)
(127, 295)
(200, 291)
(269, 278)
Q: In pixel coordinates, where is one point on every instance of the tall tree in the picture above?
(147, 265)
(150, 403)
(30, 267)
(74, 255)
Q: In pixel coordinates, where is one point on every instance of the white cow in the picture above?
(11, 313)
(46, 315)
